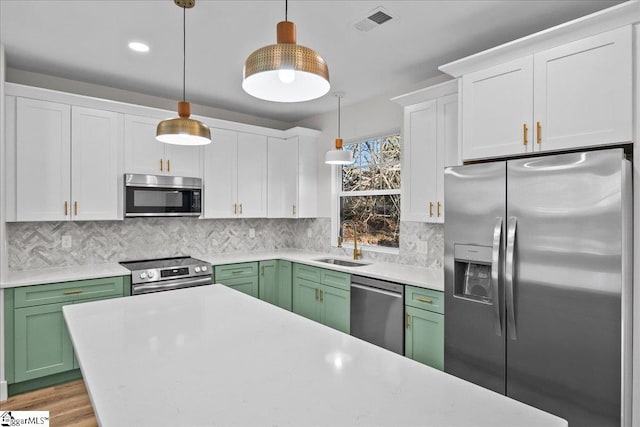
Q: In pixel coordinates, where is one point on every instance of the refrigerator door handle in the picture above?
(495, 265)
(508, 273)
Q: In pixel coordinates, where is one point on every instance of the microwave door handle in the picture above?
(508, 273)
(495, 274)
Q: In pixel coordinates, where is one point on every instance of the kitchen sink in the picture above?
(342, 262)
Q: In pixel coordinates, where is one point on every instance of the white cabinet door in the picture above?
(95, 185)
(497, 107)
(220, 171)
(282, 178)
(143, 153)
(583, 92)
(447, 146)
(182, 160)
(419, 192)
(252, 175)
(307, 206)
(43, 138)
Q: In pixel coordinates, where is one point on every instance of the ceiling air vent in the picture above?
(374, 19)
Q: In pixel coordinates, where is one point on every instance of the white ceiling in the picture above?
(87, 41)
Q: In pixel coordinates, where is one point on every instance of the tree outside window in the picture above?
(370, 193)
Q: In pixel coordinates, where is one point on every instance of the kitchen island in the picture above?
(212, 356)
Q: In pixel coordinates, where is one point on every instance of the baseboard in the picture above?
(4, 393)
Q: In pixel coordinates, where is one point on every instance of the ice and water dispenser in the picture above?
(472, 274)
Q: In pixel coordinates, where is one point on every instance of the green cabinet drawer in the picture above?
(65, 292)
(427, 299)
(336, 279)
(247, 285)
(307, 272)
(232, 271)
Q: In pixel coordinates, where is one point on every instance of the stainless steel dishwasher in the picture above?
(377, 312)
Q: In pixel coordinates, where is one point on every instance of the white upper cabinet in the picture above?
(575, 95)
(583, 92)
(96, 138)
(282, 178)
(235, 178)
(497, 106)
(144, 154)
(220, 172)
(252, 176)
(292, 177)
(66, 162)
(429, 144)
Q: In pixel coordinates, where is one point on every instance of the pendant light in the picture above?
(182, 130)
(339, 156)
(286, 71)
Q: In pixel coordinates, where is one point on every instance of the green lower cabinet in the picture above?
(306, 299)
(247, 285)
(336, 308)
(317, 301)
(42, 343)
(284, 285)
(268, 281)
(424, 337)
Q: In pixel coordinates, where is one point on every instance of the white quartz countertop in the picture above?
(63, 274)
(212, 356)
(401, 273)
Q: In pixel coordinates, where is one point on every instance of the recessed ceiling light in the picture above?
(138, 47)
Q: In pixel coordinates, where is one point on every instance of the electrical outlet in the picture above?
(252, 233)
(66, 242)
(309, 232)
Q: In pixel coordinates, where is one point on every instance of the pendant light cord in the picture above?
(286, 10)
(184, 49)
(339, 97)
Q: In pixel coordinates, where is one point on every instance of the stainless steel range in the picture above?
(166, 274)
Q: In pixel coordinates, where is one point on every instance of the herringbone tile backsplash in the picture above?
(35, 245)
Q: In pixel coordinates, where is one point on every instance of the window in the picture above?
(369, 193)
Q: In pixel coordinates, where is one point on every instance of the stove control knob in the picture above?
(143, 275)
(197, 269)
(151, 274)
(204, 268)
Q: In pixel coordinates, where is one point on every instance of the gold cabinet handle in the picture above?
(263, 270)
(168, 165)
(430, 209)
(317, 297)
(240, 271)
(424, 299)
(74, 291)
(321, 296)
(235, 208)
(538, 133)
(161, 169)
(525, 130)
(66, 208)
(439, 206)
(406, 321)
(240, 208)
(293, 210)
(75, 208)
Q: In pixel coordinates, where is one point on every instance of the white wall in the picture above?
(88, 89)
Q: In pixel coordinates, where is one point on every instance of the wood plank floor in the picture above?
(68, 404)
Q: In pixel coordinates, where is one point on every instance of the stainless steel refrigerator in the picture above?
(538, 269)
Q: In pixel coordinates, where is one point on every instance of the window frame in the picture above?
(336, 193)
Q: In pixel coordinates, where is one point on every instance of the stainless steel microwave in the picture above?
(159, 195)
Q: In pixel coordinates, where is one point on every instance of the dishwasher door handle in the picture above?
(380, 291)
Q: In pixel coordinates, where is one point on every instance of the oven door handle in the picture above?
(171, 284)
